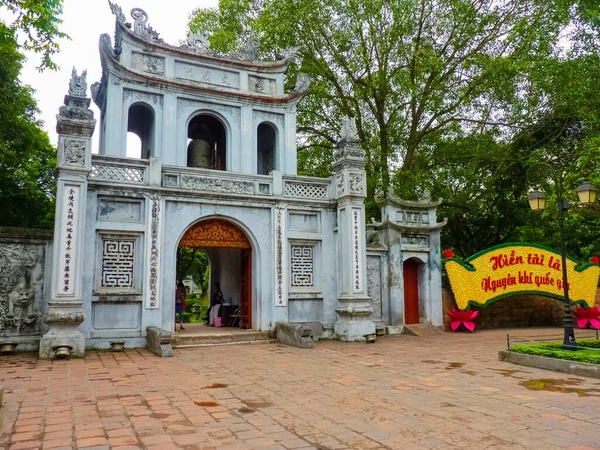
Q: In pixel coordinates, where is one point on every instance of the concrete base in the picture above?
(557, 365)
(159, 341)
(49, 341)
(396, 329)
(293, 334)
(353, 330)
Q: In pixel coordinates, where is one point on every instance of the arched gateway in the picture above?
(218, 171)
(230, 253)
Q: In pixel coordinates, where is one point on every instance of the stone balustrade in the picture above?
(119, 170)
(142, 172)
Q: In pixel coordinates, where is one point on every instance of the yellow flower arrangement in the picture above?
(517, 269)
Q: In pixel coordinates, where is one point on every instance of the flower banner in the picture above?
(519, 268)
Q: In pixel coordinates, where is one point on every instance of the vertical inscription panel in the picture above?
(357, 243)
(69, 235)
(280, 256)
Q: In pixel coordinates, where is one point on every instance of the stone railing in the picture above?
(310, 188)
(119, 170)
(205, 180)
(151, 173)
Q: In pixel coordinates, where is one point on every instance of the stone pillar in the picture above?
(75, 126)
(354, 305)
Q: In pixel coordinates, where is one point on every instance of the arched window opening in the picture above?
(140, 121)
(206, 147)
(134, 146)
(265, 147)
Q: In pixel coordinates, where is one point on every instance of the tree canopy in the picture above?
(443, 93)
(27, 159)
(38, 21)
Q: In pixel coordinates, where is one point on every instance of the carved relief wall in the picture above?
(374, 285)
(22, 269)
(215, 233)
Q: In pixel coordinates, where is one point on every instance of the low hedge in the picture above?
(556, 350)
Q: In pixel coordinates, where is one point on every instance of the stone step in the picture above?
(422, 330)
(209, 339)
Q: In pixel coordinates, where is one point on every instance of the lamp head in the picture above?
(587, 192)
(536, 199)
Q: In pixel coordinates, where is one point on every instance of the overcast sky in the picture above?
(84, 21)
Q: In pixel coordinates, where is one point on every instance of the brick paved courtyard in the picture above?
(402, 392)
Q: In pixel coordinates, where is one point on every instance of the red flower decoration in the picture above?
(463, 317)
(595, 260)
(448, 253)
(588, 317)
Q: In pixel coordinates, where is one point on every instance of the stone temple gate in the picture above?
(217, 168)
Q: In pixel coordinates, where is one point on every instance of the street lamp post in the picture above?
(587, 195)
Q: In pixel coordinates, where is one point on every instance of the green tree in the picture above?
(38, 21)
(193, 262)
(409, 72)
(27, 160)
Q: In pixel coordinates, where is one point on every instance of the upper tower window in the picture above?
(140, 121)
(206, 148)
(265, 149)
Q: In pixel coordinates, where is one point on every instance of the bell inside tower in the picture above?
(206, 143)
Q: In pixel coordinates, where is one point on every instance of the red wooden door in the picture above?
(411, 292)
(246, 294)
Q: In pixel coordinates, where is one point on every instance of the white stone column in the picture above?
(75, 126)
(354, 306)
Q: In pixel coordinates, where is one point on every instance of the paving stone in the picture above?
(401, 393)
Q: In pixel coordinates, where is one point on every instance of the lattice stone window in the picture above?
(118, 263)
(305, 190)
(129, 174)
(302, 265)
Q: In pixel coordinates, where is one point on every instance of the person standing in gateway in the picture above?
(179, 299)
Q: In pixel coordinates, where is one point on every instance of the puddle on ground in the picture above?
(216, 386)
(454, 365)
(207, 404)
(558, 385)
(506, 372)
(431, 361)
(447, 405)
(245, 410)
(468, 372)
(257, 405)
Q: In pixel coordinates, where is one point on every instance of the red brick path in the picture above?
(401, 393)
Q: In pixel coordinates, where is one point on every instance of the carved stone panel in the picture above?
(415, 239)
(205, 74)
(357, 183)
(74, 152)
(21, 288)
(148, 63)
(217, 185)
(118, 210)
(374, 285)
(262, 85)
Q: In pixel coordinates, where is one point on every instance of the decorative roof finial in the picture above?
(349, 129)
(78, 83)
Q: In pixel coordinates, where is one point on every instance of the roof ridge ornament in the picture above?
(117, 11)
(140, 26)
(198, 42)
(302, 83)
(140, 22)
(78, 83)
(349, 129)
